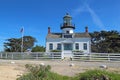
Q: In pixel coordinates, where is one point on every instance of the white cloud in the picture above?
(78, 11)
(95, 18)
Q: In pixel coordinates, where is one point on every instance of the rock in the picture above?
(42, 64)
(71, 65)
(103, 66)
(12, 62)
(19, 75)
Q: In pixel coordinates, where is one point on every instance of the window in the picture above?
(67, 36)
(77, 46)
(50, 46)
(85, 46)
(68, 46)
(58, 46)
(67, 32)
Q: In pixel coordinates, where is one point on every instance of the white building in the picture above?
(68, 41)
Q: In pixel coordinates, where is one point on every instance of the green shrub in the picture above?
(78, 51)
(97, 75)
(41, 73)
(55, 50)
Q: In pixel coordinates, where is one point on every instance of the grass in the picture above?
(97, 75)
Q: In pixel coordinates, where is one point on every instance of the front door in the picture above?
(68, 47)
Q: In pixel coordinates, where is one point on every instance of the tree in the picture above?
(14, 44)
(105, 41)
(28, 42)
(38, 49)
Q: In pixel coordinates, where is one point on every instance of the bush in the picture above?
(97, 75)
(41, 73)
(55, 50)
(78, 51)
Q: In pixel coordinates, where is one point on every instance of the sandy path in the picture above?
(10, 71)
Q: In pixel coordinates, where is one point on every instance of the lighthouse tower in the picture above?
(67, 27)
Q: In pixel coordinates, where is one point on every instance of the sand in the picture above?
(12, 69)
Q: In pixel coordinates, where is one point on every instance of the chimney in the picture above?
(49, 30)
(86, 29)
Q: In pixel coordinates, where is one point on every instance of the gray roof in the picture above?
(76, 35)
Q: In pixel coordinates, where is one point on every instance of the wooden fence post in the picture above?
(1, 54)
(90, 56)
(12, 56)
(108, 57)
(6, 55)
(37, 56)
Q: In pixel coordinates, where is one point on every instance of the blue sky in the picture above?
(37, 15)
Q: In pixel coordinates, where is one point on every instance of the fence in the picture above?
(96, 56)
(29, 55)
(57, 55)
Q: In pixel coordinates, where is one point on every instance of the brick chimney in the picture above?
(86, 29)
(49, 30)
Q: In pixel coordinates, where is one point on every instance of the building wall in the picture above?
(67, 29)
(80, 41)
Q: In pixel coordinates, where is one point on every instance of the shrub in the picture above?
(78, 51)
(41, 73)
(55, 50)
(97, 75)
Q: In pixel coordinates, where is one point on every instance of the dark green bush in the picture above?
(55, 50)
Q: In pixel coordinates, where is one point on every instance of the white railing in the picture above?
(77, 56)
(30, 55)
(96, 56)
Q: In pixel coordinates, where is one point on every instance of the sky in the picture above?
(37, 15)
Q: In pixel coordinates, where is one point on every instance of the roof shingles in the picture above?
(76, 35)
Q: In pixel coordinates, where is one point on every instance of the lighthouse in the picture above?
(67, 26)
(68, 40)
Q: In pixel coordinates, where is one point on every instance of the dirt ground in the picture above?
(12, 69)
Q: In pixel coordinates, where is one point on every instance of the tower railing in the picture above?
(64, 25)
